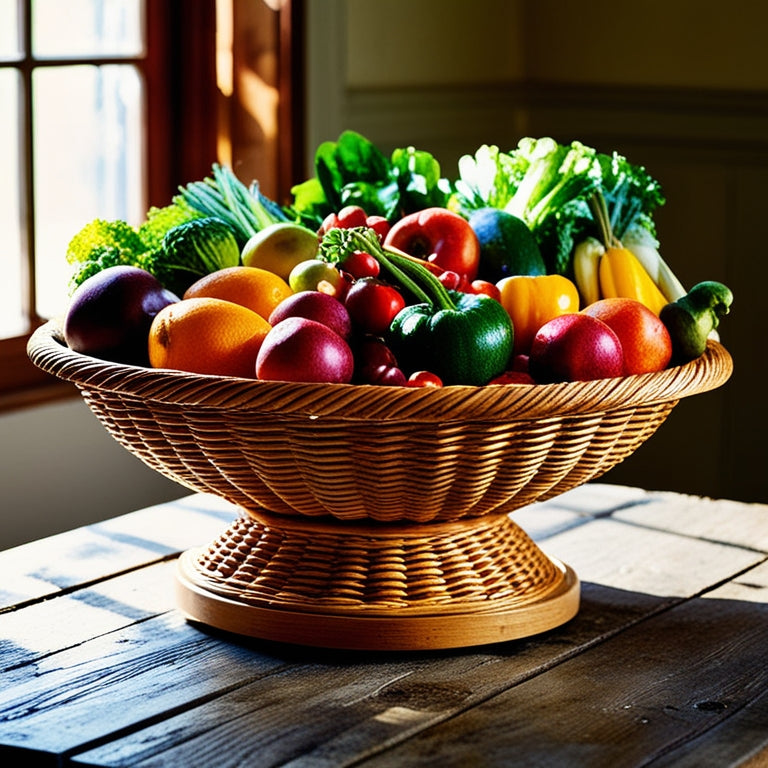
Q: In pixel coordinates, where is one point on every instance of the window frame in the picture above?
(179, 73)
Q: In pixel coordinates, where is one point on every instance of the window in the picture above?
(98, 91)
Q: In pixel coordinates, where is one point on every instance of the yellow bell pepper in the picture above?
(531, 301)
(622, 274)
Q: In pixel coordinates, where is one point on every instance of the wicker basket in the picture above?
(367, 503)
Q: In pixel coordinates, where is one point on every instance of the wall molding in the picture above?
(448, 117)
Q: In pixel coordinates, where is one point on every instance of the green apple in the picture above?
(280, 247)
(316, 275)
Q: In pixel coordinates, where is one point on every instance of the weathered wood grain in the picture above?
(339, 735)
(72, 618)
(664, 661)
(46, 567)
(640, 694)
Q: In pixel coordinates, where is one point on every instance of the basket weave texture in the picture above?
(412, 569)
(375, 453)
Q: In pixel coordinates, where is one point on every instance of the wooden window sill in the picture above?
(22, 384)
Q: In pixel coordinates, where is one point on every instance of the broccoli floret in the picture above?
(192, 250)
(101, 244)
(160, 220)
(101, 258)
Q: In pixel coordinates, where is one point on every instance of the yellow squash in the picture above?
(621, 274)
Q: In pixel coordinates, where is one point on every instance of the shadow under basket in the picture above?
(375, 518)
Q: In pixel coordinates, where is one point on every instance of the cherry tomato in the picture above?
(372, 305)
(360, 264)
(372, 351)
(512, 377)
(351, 216)
(450, 280)
(424, 379)
(486, 288)
(386, 375)
(331, 221)
(379, 225)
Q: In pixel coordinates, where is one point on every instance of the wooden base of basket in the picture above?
(376, 587)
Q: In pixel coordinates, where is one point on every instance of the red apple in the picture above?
(575, 347)
(314, 305)
(299, 349)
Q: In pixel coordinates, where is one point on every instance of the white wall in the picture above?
(59, 469)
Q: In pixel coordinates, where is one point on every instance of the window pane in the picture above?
(11, 320)
(88, 162)
(87, 27)
(10, 47)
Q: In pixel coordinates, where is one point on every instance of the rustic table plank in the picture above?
(122, 680)
(739, 740)
(414, 692)
(61, 622)
(745, 525)
(640, 694)
(43, 568)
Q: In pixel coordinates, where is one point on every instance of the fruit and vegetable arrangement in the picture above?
(536, 265)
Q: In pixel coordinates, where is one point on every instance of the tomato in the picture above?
(372, 351)
(379, 225)
(372, 305)
(360, 264)
(331, 221)
(486, 288)
(351, 216)
(387, 376)
(512, 377)
(424, 379)
(450, 280)
(438, 236)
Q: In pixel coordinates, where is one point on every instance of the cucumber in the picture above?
(507, 246)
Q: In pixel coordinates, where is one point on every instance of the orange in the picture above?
(258, 289)
(205, 335)
(645, 340)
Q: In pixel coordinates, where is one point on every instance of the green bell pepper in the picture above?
(692, 318)
(462, 338)
(469, 342)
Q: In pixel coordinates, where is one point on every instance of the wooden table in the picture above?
(666, 663)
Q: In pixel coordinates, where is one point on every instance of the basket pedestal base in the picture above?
(376, 587)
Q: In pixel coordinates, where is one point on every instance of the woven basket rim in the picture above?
(49, 352)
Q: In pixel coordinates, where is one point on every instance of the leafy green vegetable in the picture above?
(225, 197)
(192, 250)
(549, 186)
(101, 244)
(187, 251)
(631, 194)
(222, 214)
(353, 171)
(544, 183)
(160, 220)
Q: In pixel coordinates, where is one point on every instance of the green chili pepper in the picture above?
(692, 318)
(462, 338)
